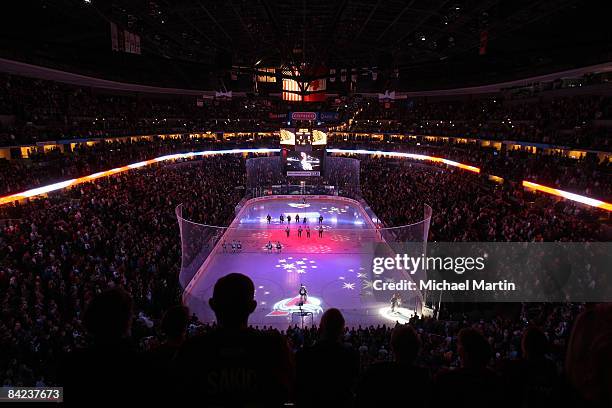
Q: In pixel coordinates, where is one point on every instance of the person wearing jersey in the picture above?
(234, 365)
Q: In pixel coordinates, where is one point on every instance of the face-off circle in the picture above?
(287, 307)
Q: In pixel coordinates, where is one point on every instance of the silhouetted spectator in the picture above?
(235, 365)
(473, 384)
(160, 359)
(533, 379)
(589, 357)
(110, 369)
(379, 384)
(327, 371)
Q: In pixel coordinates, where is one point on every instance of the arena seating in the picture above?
(306, 204)
(59, 253)
(567, 121)
(587, 175)
(47, 110)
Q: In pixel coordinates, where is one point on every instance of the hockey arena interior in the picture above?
(306, 203)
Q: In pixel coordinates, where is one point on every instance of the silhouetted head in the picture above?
(405, 344)
(332, 324)
(473, 348)
(233, 300)
(534, 343)
(109, 315)
(175, 321)
(589, 355)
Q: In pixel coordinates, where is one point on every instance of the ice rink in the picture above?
(335, 268)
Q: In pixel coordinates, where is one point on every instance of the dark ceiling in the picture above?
(431, 42)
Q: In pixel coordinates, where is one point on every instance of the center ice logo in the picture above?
(288, 306)
(299, 205)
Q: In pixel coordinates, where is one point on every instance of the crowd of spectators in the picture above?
(35, 110)
(465, 209)
(577, 121)
(60, 256)
(546, 355)
(48, 166)
(59, 252)
(588, 175)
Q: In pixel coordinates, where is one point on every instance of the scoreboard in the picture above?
(303, 151)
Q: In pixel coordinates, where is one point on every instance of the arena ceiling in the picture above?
(340, 33)
(417, 37)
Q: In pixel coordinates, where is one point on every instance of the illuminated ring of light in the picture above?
(570, 196)
(72, 182)
(401, 314)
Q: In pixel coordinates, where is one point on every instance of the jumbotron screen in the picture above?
(303, 163)
(319, 138)
(287, 137)
(303, 137)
